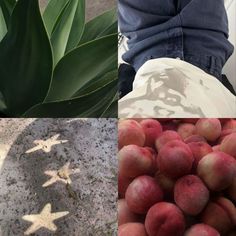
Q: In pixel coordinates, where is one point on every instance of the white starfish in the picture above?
(46, 145)
(62, 175)
(43, 220)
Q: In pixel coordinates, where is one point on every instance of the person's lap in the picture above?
(193, 30)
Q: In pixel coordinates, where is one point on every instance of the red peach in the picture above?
(220, 214)
(199, 150)
(191, 195)
(175, 159)
(228, 145)
(152, 129)
(217, 170)
(201, 230)
(195, 138)
(209, 128)
(186, 130)
(142, 193)
(135, 161)
(130, 132)
(167, 184)
(166, 137)
(230, 124)
(123, 183)
(216, 148)
(124, 213)
(164, 219)
(134, 229)
(190, 120)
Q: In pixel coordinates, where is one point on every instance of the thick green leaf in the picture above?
(112, 109)
(77, 26)
(90, 105)
(25, 59)
(7, 8)
(112, 29)
(62, 30)
(82, 65)
(94, 28)
(3, 27)
(97, 82)
(52, 13)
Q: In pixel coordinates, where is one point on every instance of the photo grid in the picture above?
(118, 118)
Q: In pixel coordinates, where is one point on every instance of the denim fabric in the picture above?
(195, 31)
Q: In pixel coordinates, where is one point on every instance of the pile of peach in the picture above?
(177, 177)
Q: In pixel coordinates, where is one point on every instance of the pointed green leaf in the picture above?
(77, 26)
(3, 27)
(7, 8)
(99, 24)
(112, 110)
(52, 13)
(112, 29)
(89, 105)
(61, 32)
(82, 65)
(25, 59)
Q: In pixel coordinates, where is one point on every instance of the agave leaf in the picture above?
(7, 8)
(112, 109)
(112, 29)
(94, 28)
(77, 27)
(25, 59)
(62, 30)
(82, 65)
(97, 82)
(89, 105)
(52, 13)
(3, 27)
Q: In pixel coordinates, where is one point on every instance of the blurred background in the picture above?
(94, 7)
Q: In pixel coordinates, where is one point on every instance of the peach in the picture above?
(190, 120)
(175, 159)
(167, 184)
(165, 137)
(123, 183)
(134, 229)
(195, 138)
(165, 219)
(152, 129)
(135, 161)
(220, 214)
(216, 148)
(199, 150)
(130, 132)
(209, 128)
(142, 193)
(186, 129)
(228, 145)
(217, 170)
(230, 124)
(190, 194)
(124, 213)
(201, 230)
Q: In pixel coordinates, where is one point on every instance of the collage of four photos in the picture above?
(118, 117)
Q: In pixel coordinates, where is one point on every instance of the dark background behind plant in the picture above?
(94, 7)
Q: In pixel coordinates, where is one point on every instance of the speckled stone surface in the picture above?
(91, 197)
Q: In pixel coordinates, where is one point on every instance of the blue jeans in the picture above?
(195, 31)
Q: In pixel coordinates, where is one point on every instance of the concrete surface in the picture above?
(93, 7)
(90, 199)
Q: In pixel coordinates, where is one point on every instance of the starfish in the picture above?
(43, 220)
(62, 175)
(46, 145)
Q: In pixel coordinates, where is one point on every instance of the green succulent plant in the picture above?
(53, 64)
